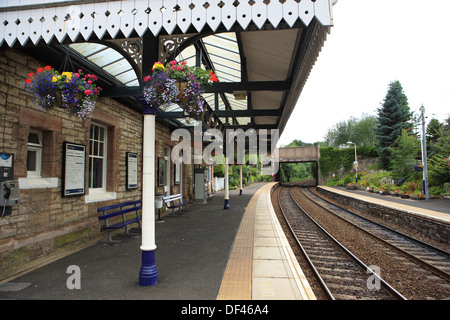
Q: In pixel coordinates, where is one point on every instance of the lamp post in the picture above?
(355, 164)
(424, 153)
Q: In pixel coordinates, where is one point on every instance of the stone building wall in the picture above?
(45, 224)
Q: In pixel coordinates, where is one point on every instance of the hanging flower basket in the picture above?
(177, 83)
(73, 91)
(182, 85)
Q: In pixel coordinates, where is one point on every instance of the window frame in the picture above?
(37, 147)
(104, 157)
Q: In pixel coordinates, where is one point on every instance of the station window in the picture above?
(34, 154)
(97, 158)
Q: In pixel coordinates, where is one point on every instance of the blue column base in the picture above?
(240, 192)
(148, 276)
(227, 204)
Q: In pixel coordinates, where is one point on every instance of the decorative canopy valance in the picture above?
(50, 20)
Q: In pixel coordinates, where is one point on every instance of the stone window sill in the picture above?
(38, 183)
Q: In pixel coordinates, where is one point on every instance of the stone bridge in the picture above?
(299, 154)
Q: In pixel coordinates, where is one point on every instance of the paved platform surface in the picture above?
(262, 265)
(192, 259)
(433, 208)
(191, 256)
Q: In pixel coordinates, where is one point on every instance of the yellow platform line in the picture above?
(261, 263)
(237, 278)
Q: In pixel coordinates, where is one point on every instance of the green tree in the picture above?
(393, 116)
(433, 134)
(297, 143)
(359, 131)
(438, 169)
(404, 155)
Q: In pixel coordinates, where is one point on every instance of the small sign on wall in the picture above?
(74, 166)
(132, 170)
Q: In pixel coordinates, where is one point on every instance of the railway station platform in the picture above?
(206, 253)
(433, 209)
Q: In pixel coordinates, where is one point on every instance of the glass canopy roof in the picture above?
(221, 49)
(109, 60)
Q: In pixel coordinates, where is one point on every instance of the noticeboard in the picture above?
(74, 166)
(132, 170)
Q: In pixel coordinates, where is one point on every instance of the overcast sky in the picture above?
(372, 43)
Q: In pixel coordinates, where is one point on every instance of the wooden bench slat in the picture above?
(118, 213)
(136, 206)
(118, 205)
(122, 223)
(174, 198)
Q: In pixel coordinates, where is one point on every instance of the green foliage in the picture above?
(438, 170)
(297, 143)
(434, 132)
(359, 131)
(331, 159)
(393, 116)
(404, 155)
(291, 172)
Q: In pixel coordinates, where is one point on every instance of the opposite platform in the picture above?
(262, 265)
(434, 209)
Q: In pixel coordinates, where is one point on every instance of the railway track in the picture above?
(432, 258)
(341, 274)
(417, 270)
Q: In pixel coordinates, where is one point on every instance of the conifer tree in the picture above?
(393, 116)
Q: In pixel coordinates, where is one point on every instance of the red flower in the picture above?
(39, 70)
(147, 78)
(30, 75)
(213, 77)
(47, 68)
(28, 80)
(87, 92)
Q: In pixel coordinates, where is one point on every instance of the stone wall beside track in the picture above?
(420, 221)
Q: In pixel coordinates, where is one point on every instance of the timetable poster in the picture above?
(74, 169)
(132, 170)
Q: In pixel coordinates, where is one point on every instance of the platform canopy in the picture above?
(261, 50)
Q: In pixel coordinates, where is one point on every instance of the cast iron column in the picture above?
(148, 275)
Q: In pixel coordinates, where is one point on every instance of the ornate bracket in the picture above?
(168, 44)
(133, 48)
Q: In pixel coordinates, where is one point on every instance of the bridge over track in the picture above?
(300, 154)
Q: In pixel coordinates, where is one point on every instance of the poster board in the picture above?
(132, 170)
(74, 167)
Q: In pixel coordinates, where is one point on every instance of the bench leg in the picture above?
(128, 234)
(110, 240)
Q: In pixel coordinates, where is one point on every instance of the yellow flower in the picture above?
(158, 65)
(54, 79)
(68, 75)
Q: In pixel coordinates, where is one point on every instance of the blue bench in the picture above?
(175, 201)
(120, 209)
